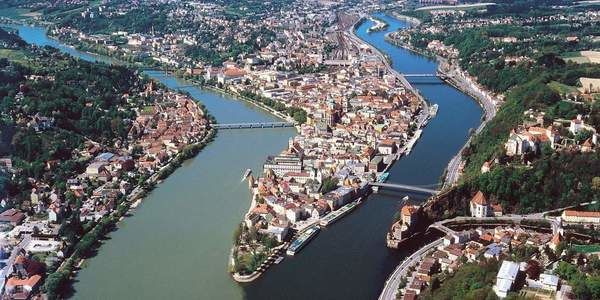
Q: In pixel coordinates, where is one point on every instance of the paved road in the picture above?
(391, 285)
(489, 108)
(15, 251)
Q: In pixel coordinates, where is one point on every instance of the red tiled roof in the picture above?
(577, 213)
(479, 199)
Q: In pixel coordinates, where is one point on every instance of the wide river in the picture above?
(177, 243)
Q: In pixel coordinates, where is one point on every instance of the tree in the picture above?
(402, 283)
(237, 233)
(329, 184)
(596, 183)
(583, 135)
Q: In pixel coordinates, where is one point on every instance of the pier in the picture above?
(253, 125)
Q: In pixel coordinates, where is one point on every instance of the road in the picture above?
(391, 285)
(15, 251)
(489, 107)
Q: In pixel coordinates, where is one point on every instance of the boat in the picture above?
(342, 211)
(246, 174)
(405, 198)
(433, 110)
(383, 177)
(302, 240)
(278, 260)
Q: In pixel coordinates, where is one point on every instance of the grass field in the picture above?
(562, 88)
(14, 55)
(586, 248)
(457, 7)
(582, 57)
(15, 13)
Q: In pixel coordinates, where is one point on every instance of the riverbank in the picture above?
(191, 134)
(455, 76)
(410, 20)
(68, 269)
(141, 66)
(378, 26)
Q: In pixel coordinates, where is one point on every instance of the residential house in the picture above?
(507, 275)
(575, 216)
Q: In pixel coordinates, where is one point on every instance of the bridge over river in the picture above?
(404, 187)
(253, 125)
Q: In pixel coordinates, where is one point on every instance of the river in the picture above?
(176, 244)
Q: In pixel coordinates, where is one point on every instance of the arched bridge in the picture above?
(404, 187)
(253, 125)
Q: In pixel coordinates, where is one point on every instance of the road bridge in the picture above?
(404, 187)
(420, 75)
(253, 125)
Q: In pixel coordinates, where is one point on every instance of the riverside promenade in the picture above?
(390, 290)
(459, 80)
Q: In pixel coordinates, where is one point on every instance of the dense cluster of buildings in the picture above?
(360, 119)
(528, 139)
(533, 275)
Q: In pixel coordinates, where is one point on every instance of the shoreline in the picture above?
(74, 262)
(408, 19)
(146, 67)
(461, 84)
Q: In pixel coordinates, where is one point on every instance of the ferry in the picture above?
(302, 240)
(433, 110)
(383, 177)
(336, 215)
(246, 173)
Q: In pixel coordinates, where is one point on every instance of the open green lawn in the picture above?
(14, 12)
(14, 55)
(586, 248)
(575, 57)
(473, 6)
(562, 88)
(578, 60)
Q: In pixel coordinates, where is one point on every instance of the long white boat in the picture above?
(302, 240)
(246, 173)
(336, 215)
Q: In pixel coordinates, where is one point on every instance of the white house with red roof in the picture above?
(480, 207)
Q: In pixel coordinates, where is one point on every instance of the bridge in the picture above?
(421, 75)
(426, 78)
(253, 125)
(404, 187)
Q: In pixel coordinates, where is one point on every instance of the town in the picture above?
(40, 228)
(357, 115)
(517, 210)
